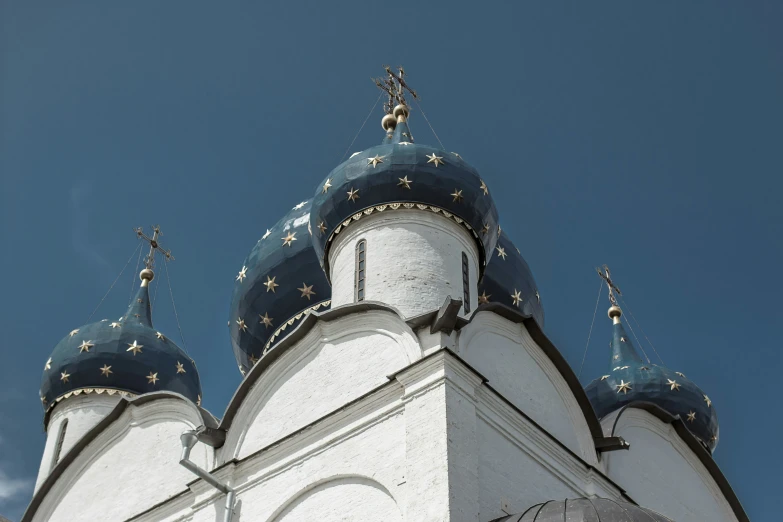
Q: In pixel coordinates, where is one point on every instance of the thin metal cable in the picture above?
(171, 292)
(590, 333)
(641, 330)
(114, 283)
(362, 127)
(132, 279)
(428, 123)
(155, 295)
(638, 341)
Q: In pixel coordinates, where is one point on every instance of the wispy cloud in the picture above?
(14, 491)
(11, 489)
(79, 203)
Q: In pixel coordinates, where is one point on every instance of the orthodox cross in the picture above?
(149, 259)
(607, 277)
(394, 86)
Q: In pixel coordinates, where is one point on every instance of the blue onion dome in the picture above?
(586, 510)
(401, 174)
(631, 379)
(280, 282)
(508, 280)
(126, 357)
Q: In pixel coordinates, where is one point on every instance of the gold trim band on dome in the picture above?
(79, 391)
(292, 320)
(404, 206)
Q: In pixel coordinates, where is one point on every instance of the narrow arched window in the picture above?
(361, 268)
(465, 283)
(59, 446)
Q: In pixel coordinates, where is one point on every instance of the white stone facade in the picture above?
(414, 261)
(368, 418)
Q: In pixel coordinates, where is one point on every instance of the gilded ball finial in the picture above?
(614, 313)
(401, 111)
(146, 276)
(388, 122)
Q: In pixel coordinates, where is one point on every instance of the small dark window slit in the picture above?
(59, 446)
(465, 283)
(361, 268)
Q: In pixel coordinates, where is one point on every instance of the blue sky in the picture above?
(645, 135)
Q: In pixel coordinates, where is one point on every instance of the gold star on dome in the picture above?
(374, 161)
(623, 387)
(160, 336)
(242, 325)
(622, 339)
(198, 400)
(139, 300)
(616, 368)
(485, 229)
(135, 347)
(708, 401)
(691, 416)
(289, 238)
(322, 226)
(714, 438)
(307, 291)
(484, 188)
(253, 359)
(266, 320)
(616, 357)
(674, 385)
(242, 274)
(460, 157)
(404, 183)
(300, 205)
(152, 378)
(43, 401)
(73, 332)
(624, 367)
(681, 374)
(437, 160)
(403, 143)
(538, 296)
(64, 376)
(516, 297)
(327, 185)
(85, 346)
(604, 377)
(106, 370)
(644, 368)
(115, 325)
(266, 234)
(500, 230)
(241, 370)
(270, 284)
(180, 367)
(353, 195)
(501, 252)
(457, 195)
(484, 298)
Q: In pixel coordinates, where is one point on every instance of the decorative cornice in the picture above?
(291, 321)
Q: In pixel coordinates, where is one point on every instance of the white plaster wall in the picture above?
(508, 475)
(350, 469)
(661, 473)
(515, 366)
(334, 364)
(414, 260)
(128, 468)
(343, 499)
(83, 412)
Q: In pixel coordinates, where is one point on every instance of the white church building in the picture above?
(395, 368)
